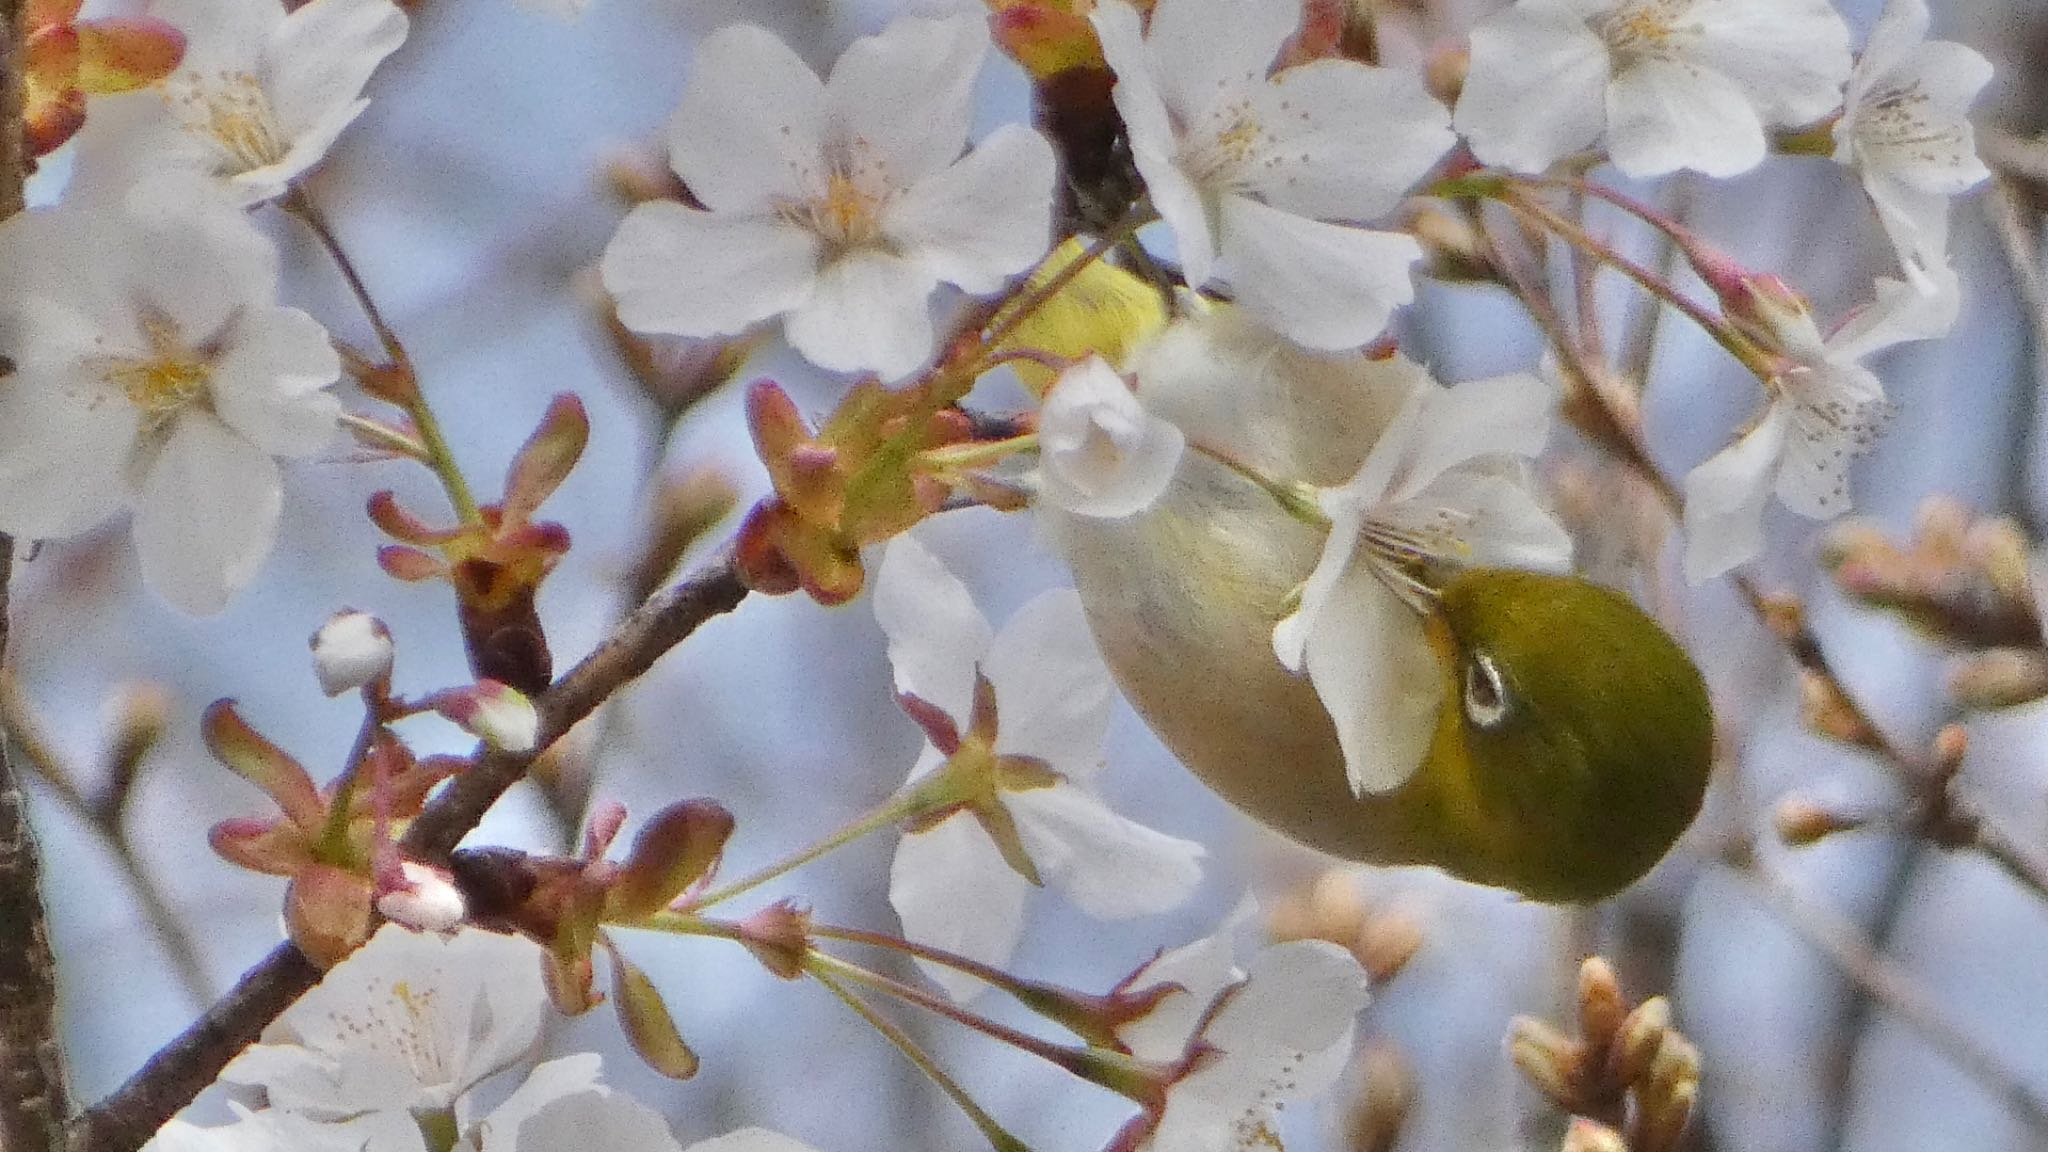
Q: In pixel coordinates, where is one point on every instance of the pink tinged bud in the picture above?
(498, 714)
(647, 1023)
(547, 458)
(327, 913)
(603, 827)
(1763, 306)
(779, 936)
(263, 764)
(352, 650)
(676, 849)
(424, 899)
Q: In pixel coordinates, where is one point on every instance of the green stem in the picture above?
(438, 455)
(977, 454)
(1296, 499)
(333, 847)
(902, 806)
(997, 1135)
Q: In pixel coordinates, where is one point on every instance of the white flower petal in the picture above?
(1052, 690)
(1349, 139)
(681, 272)
(751, 1140)
(1100, 452)
(64, 443)
(596, 1118)
(751, 126)
(1204, 51)
(1378, 678)
(905, 96)
(1283, 1035)
(268, 386)
(1298, 997)
(985, 218)
(869, 311)
(952, 890)
(1324, 286)
(1725, 497)
(206, 514)
(1149, 127)
(1111, 867)
(936, 635)
(1203, 970)
(1505, 416)
(323, 54)
(1789, 58)
(1347, 507)
(1900, 28)
(409, 1021)
(1899, 312)
(1534, 91)
(548, 1082)
(1663, 115)
(1509, 527)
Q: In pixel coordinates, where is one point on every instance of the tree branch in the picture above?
(33, 1101)
(132, 1113)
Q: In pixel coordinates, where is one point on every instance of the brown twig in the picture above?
(25, 733)
(126, 1118)
(33, 1100)
(1885, 982)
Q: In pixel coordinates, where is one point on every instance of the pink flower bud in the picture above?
(423, 898)
(498, 714)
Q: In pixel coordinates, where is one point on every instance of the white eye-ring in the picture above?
(1486, 694)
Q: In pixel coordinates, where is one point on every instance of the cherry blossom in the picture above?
(1825, 410)
(1100, 452)
(1661, 84)
(1440, 486)
(1249, 169)
(154, 370)
(1243, 1041)
(262, 95)
(1905, 127)
(408, 1025)
(840, 204)
(1026, 711)
(562, 1108)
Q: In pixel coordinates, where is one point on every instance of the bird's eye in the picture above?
(1486, 694)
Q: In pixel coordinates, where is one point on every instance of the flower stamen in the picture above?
(233, 110)
(161, 383)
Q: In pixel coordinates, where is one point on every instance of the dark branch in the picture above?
(132, 1113)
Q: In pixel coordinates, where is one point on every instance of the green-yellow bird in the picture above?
(1573, 737)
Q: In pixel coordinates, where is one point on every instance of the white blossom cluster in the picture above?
(387, 1053)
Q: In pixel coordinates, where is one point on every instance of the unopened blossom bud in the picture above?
(1591, 1136)
(352, 650)
(1444, 74)
(1547, 1057)
(1801, 822)
(779, 936)
(1641, 1038)
(1100, 453)
(423, 898)
(498, 714)
(1601, 1005)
